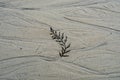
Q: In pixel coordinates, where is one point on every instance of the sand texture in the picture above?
(27, 51)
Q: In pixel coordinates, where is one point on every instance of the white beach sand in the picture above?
(27, 51)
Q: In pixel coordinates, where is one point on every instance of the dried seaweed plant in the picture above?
(62, 40)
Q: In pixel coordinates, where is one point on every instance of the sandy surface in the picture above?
(27, 51)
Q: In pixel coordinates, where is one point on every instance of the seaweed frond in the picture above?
(62, 40)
